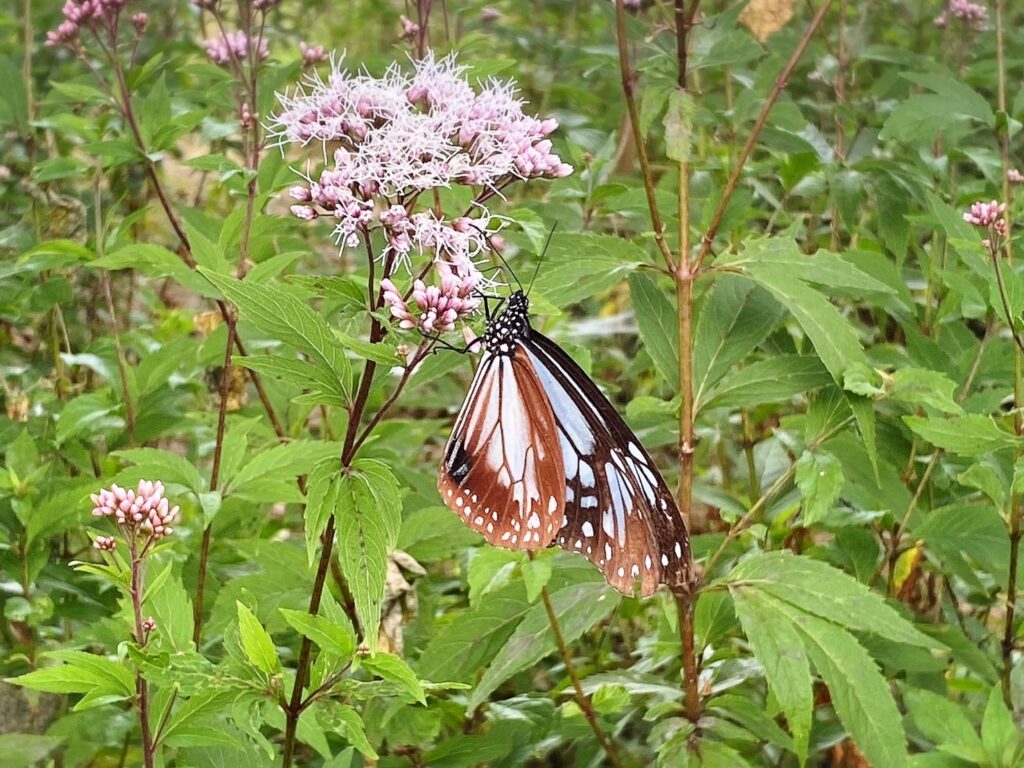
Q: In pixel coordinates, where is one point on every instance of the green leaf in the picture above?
(984, 477)
(1002, 740)
(824, 591)
(153, 261)
(970, 435)
(775, 380)
(536, 574)
(736, 317)
(369, 517)
(172, 607)
(920, 387)
(472, 637)
(976, 530)
(257, 644)
(960, 98)
(334, 637)
(609, 699)
(778, 646)
(322, 385)
(819, 475)
(321, 501)
(381, 353)
(390, 667)
(940, 720)
(579, 265)
(578, 608)
(859, 693)
(154, 464)
(679, 125)
(18, 750)
(287, 460)
(659, 328)
(91, 413)
(831, 334)
(81, 673)
(355, 731)
(288, 319)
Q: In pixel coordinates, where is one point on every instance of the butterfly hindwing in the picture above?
(502, 469)
(618, 512)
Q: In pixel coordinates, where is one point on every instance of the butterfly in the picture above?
(538, 456)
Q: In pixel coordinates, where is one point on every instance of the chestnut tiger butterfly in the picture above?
(539, 456)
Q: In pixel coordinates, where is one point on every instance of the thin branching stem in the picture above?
(755, 132)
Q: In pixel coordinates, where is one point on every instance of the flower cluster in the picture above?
(987, 215)
(1014, 176)
(90, 14)
(402, 135)
(437, 307)
(143, 511)
(235, 46)
(405, 134)
(970, 14)
(311, 54)
(105, 543)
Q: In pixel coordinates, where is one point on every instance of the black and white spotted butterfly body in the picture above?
(539, 456)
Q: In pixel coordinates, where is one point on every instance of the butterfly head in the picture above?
(512, 324)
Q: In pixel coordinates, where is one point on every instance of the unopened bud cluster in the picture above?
(142, 512)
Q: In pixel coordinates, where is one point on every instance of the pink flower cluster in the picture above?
(235, 46)
(407, 133)
(1014, 176)
(988, 215)
(91, 14)
(437, 307)
(143, 511)
(311, 54)
(971, 14)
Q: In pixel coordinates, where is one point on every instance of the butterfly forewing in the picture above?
(502, 469)
(618, 512)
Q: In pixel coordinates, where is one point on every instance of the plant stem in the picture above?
(218, 451)
(122, 363)
(755, 132)
(581, 698)
(141, 686)
(641, 147)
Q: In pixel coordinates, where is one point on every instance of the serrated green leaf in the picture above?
(920, 387)
(578, 265)
(368, 523)
(736, 317)
(679, 125)
(972, 434)
(939, 719)
(824, 591)
(859, 693)
(332, 636)
(321, 501)
(154, 464)
(288, 319)
(256, 642)
(819, 476)
(536, 575)
(659, 329)
(390, 667)
(777, 379)
(80, 673)
(355, 731)
(976, 530)
(777, 645)
(578, 607)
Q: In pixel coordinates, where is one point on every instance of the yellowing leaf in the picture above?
(766, 17)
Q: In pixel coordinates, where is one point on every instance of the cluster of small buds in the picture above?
(438, 307)
(410, 29)
(970, 14)
(311, 54)
(245, 116)
(235, 46)
(1014, 176)
(105, 543)
(148, 625)
(90, 14)
(987, 215)
(143, 511)
(140, 21)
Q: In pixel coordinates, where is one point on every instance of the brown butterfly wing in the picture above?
(619, 513)
(503, 471)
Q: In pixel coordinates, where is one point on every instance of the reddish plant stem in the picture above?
(218, 451)
(141, 686)
(581, 698)
(629, 92)
(755, 132)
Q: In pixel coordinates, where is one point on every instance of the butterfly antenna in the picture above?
(541, 259)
